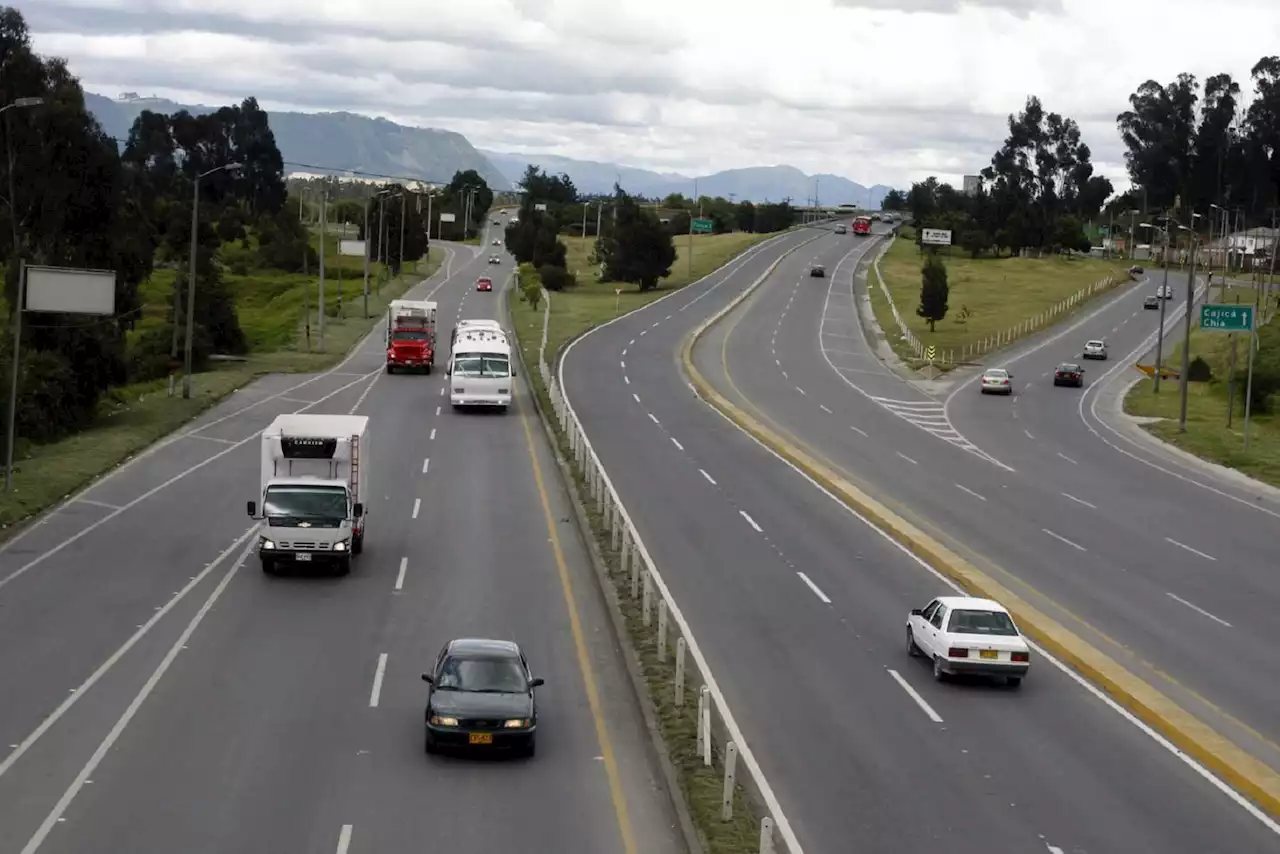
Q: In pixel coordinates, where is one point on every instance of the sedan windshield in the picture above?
(995, 375)
(1069, 369)
(492, 366)
(482, 675)
(305, 502)
(968, 622)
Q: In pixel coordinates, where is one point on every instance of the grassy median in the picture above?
(270, 305)
(573, 313)
(988, 296)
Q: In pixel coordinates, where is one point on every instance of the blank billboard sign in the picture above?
(351, 247)
(67, 290)
(448, 217)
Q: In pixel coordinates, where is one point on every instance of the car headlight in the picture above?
(517, 723)
(264, 543)
(438, 720)
(340, 546)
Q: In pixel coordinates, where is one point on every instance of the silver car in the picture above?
(996, 381)
(1095, 350)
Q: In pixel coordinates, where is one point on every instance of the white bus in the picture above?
(480, 370)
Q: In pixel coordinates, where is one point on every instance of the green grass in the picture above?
(1208, 436)
(270, 307)
(988, 295)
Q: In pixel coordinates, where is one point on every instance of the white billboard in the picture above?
(448, 217)
(935, 236)
(354, 248)
(68, 290)
(539, 207)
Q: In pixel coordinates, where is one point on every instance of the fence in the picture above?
(719, 741)
(989, 343)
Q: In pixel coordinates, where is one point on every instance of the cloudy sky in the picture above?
(881, 91)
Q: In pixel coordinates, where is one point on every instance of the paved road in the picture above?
(271, 731)
(800, 609)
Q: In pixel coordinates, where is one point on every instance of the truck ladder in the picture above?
(355, 469)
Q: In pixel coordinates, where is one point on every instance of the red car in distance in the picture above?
(484, 283)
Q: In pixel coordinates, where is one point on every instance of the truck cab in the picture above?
(411, 335)
(313, 479)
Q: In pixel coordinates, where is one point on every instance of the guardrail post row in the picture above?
(680, 651)
(662, 631)
(726, 799)
(646, 603)
(615, 523)
(704, 724)
(626, 555)
(635, 576)
(766, 835)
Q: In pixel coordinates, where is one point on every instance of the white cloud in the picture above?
(883, 91)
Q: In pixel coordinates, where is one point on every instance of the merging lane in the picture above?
(286, 713)
(801, 608)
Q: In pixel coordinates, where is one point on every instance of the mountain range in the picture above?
(316, 143)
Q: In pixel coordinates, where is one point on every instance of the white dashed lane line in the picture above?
(905, 457)
(344, 839)
(653, 418)
(825, 409)
(432, 437)
(859, 431)
(636, 396)
(1029, 436)
(915, 695)
(1199, 610)
(817, 591)
(1188, 548)
(1063, 539)
(404, 568)
(426, 464)
(802, 391)
(417, 506)
(1071, 497)
(751, 522)
(711, 480)
(970, 491)
(1068, 459)
(676, 442)
(379, 672)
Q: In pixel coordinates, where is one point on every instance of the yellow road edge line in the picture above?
(620, 809)
(1243, 772)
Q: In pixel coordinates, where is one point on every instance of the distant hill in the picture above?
(336, 140)
(757, 184)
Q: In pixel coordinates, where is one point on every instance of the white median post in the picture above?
(635, 577)
(704, 707)
(615, 526)
(626, 550)
(680, 649)
(646, 604)
(726, 799)
(662, 630)
(703, 699)
(766, 835)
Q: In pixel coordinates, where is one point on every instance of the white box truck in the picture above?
(314, 484)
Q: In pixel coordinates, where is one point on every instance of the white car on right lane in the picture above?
(968, 635)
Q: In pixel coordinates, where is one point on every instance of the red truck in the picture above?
(411, 335)
(862, 225)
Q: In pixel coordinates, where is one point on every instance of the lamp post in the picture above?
(191, 273)
(1186, 322)
(1164, 289)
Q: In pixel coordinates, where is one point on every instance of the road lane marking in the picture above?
(787, 376)
(970, 491)
(1029, 436)
(438, 408)
(378, 672)
(817, 591)
(631, 343)
(603, 738)
(426, 464)
(644, 331)
(824, 409)
(776, 362)
(205, 438)
(1063, 539)
(1079, 501)
(1198, 609)
(751, 522)
(711, 480)
(857, 430)
(636, 396)
(344, 839)
(1068, 459)
(676, 442)
(624, 352)
(404, 567)
(622, 363)
(802, 391)
(104, 505)
(915, 695)
(905, 457)
(655, 324)
(654, 418)
(86, 773)
(365, 393)
(442, 388)
(432, 437)
(1193, 551)
(626, 379)
(417, 505)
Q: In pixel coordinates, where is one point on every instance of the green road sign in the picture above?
(703, 226)
(1226, 318)
(1104, 229)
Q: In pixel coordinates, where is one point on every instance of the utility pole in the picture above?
(191, 275)
(1186, 326)
(1164, 289)
(402, 219)
(324, 215)
(366, 257)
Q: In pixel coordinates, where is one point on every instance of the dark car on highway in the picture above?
(481, 697)
(1152, 301)
(818, 271)
(1069, 373)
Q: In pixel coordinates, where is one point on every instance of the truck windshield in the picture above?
(409, 335)
(489, 365)
(309, 503)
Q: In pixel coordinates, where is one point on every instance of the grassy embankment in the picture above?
(573, 313)
(1208, 435)
(270, 305)
(988, 295)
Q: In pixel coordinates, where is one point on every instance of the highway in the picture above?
(162, 694)
(800, 607)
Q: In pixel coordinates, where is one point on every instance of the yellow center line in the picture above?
(584, 660)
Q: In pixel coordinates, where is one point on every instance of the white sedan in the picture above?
(966, 635)
(996, 381)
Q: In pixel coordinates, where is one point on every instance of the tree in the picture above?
(1158, 131)
(640, 249)
(453, 199)
(384, 245)
(934, 290)
(894, 200)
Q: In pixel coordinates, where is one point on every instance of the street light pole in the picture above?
(366, 258)
(1164, 289)
(1186, 328)
(402, 218)
(191, 275)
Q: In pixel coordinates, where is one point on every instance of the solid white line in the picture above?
(365, 393)
(432, 437)
(1068, 459)
(417, 505)
(709, 478)
(636, 396)
(654, 418)
(970, 491)
(857, 430)
(344, 839)
(905, 457)
(824, 409)
(915, 695)
(802, 391)
(45, 725)
(1193, 551)
(426, 464)
(817, 591)
(1064, 539)
(101, 504)
(675, 442)
(378, 673)
(55, 815)
(205, 438)
(751, 522)
(1079, 501)
(1198, 609)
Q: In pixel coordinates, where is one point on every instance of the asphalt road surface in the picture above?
(801, 608)
(286, 714)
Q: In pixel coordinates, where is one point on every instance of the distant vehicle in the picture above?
(1151, 302)
(497, 242)
(494, 259)
(862, 225)
(411, 335)
(967, 635)
(1165, 292)
(996, 381)
(818, 271)
(480, 369)
(840, 229)
(1095, 350)
(1135, 270)
(1069, 373)
(484, 283)
(481, 696)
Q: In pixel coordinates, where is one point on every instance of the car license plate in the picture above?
(481, 738)
(303, 556)
(989, 653)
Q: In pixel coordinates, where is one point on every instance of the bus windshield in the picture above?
(482, 365)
